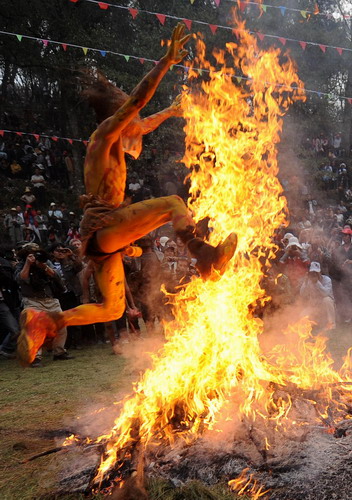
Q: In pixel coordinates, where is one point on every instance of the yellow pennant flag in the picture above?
(304, 14)
(85, 50)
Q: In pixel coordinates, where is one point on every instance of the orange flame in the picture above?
(212, 351)
(246, 484)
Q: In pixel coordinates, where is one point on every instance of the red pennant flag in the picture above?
(70, 141)
(236, 33)
(64, 46)
(2, 133)
(141, 60)
(339, 50)
(260, 36)
(323, 48)
(188, 23)
(213, 28)
(243, 5)
(283, 41)
(303, 45)
(36, 136)
(349, 99)
(133, 12)
(45, 43)
(73, 1)
(161, 18)
(103, 5)
(54, 138)
(19, 133)
(85, 143)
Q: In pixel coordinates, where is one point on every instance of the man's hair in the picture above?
(103, 96)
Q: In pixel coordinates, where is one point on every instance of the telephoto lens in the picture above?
(133, 251)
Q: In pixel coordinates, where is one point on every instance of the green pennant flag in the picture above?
(171, 67)
(19, 37)
(85, 50)
(264, 7)
(304, 14)
(127, 58)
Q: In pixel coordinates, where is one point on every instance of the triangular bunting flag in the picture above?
(200, 72)
(283, 40)
(19, 37)
(73, 1)
(54, 138)
(133, 12)
(85, 50)
(339, 50)
(239, 79)
(236, 33)
(323, 48)
(303, 45)
(127, 58)
(263, 7)
(103, 53)
(192, 2)
(19, 133)
(36, 136)
(260, 36)
(188, 23)
(141, 60)
(45, 43)
(243, 5)
(349, 99)
(2, 133)
(283, 10)
(70, 141)
(171, 67)
(213, 28)
(217, 3)
(64, 46)
(85, 143)
(161, 18)
(304, 14)
(319, 94)
(103, 5)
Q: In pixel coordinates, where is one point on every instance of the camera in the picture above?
(41, 257)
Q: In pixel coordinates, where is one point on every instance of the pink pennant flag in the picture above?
(349, 99)
(54, 138)
(133, 12)
(161, 18)
(36, 136)
(303, 45)
(339, 50)
(213, 28)
(141, 60)
(283, 41)
(85, 143)
(323, 48)
(103, 5)
(188, 23)
(2, 133)
(73, 1)
(64, 46)
(45, 43)
(260, 36)
(70, 141)
(217, 3)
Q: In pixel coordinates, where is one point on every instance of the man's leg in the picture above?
(10, 326)
(329, 307)
(131, 223)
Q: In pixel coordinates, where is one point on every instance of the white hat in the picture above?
(52, 204)
(314, 267)
(293, 241)
(287, 236)
(163, 240)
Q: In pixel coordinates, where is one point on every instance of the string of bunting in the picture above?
(54, 138)
(142, 60)
(214, 27)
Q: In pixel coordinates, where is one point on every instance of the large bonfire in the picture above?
(212, 358)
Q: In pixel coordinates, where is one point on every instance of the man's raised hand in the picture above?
(176, 52)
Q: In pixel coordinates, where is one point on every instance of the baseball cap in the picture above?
(164, 240)
(294, 242)
(314, 267)
(52, 204)
(346, 230)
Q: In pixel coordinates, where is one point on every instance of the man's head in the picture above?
(59, 251)
(294, 247)
(346, 235)
(53, 206)
(314, 271)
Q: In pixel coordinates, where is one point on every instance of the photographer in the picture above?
(68, 265)
(316, 290)
(40, 284)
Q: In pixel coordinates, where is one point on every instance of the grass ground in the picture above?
(39, 406)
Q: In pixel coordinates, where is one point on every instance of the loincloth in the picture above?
(97, 215)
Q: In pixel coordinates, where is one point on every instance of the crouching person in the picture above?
(39, 284)
(316, 291)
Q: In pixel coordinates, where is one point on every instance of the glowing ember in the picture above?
(212, 355)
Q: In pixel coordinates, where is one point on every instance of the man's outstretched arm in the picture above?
(152, 122)
(141, 95)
